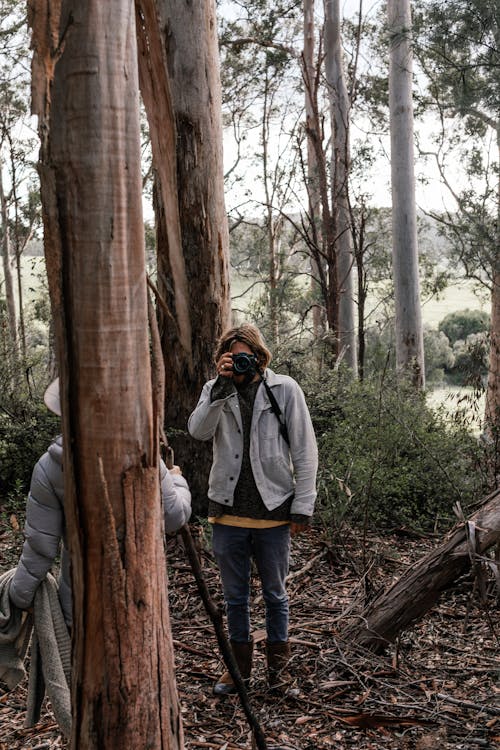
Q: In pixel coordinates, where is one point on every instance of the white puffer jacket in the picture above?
(45, 528)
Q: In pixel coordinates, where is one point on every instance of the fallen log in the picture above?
(420, 587)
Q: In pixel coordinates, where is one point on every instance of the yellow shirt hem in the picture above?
(247, 523)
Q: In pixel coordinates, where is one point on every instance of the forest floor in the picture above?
(438, 688)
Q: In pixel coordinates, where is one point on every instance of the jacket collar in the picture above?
(271, 377)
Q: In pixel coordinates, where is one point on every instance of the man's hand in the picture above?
(225, 365)
(298, 528)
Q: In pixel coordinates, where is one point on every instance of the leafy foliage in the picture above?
(456, 44)
(386, 457)
(439, 356)
(458, 325)
(26, 430)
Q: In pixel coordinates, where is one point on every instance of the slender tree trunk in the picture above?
(409, 333)
(493, 390)
(10, 298)
(272, 225)
(359, 248)
(123, 686)
(313, 194)
(193, 71)
(339, 109)
(18, 250)
(326, 254)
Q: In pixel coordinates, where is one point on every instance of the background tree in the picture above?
(193, 72)
(408, 321)
(341, 161)
(123, 674)
(310, 75)
(261, 78)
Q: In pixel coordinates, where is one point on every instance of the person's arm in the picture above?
(202, 423)
(303, 451)
(176, 499)
(43, 531)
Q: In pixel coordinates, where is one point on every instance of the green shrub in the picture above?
(26, 430)
(386, 457)
(439, 357)
(459, 325)
(471, 360)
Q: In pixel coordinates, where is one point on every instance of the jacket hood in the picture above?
(55, 450)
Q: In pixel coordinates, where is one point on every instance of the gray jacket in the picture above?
(279, 470)
(45, 528)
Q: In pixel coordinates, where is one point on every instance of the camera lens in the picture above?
(243, 363)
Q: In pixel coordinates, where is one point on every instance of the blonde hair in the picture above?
(247, 334)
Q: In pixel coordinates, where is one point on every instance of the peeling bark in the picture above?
(157, 97)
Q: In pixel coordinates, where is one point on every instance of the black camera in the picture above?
(244, 363)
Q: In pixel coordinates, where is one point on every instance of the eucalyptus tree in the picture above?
(408, 319)
(270, 33)
(10, 300)
(340, 112)
(181, 90)
(87, 100)
(310, 74)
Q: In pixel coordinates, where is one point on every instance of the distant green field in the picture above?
(455, 298)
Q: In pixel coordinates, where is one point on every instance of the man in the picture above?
(262, 488)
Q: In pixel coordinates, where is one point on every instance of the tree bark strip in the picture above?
(157, 97)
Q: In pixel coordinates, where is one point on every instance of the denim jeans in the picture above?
(234, 548)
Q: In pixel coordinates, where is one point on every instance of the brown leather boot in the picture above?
(278, 656)
(243, 654)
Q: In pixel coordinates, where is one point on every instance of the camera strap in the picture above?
(276, 409)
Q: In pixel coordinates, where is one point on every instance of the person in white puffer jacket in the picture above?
(45, 527)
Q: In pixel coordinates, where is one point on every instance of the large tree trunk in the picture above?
(420, 587)
(409, 332)
(340, 164)
(193, 69)
(123, 686)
